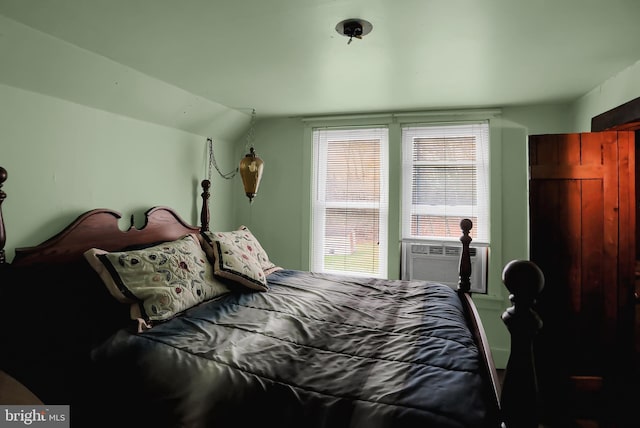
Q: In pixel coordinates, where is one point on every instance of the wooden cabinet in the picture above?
(582, 236)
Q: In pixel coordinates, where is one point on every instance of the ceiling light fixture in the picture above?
(354, 28)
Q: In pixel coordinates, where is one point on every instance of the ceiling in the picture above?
(285, 57)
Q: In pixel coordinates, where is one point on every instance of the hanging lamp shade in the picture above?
(251, 172)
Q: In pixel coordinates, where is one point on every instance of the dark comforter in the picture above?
(314, 351)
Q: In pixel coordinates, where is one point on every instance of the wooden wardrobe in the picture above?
(582, 236)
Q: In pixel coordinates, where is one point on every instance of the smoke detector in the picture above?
(354, 28)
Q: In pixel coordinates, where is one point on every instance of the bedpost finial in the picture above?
(3, 178)
(524, 280)
(204, 212)
(466, 225)
(3, 237)
(464, 283)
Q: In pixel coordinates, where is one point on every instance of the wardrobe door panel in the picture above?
(582, 235)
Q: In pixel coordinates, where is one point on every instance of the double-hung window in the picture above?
(350, 201)
(445, 179)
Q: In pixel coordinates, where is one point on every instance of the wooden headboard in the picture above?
(99, 228)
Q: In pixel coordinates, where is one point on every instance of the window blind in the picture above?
(350, 201)
(445, 179)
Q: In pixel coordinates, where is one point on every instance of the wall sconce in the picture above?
(250, 167)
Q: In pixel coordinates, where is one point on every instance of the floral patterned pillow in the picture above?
(160, 281)
(235, 263)
(237, 255)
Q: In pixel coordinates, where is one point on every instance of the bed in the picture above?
(173, 325)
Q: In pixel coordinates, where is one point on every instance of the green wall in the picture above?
(64, 158)
(617, 90)
(79, 131)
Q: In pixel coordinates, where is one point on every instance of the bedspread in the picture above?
(315, 350)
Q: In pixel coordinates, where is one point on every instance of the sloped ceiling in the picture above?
(285, 58)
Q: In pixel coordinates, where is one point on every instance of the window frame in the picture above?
(320, 137)
(410, 131)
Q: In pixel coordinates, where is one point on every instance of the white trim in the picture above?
(322, 137)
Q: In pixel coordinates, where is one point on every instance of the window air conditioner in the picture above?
(440, 262)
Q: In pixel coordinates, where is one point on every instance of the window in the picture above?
(350, 201)
(445, 179)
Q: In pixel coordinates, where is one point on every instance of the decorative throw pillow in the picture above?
(160, 281)
(244, 238)
(235, 263)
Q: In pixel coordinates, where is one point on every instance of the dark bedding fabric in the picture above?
(49, 322)
(316, 350)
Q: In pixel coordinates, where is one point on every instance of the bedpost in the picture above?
(3, 236)
(464, 284)
(473, 317)
(519, 398)
(204, 213)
